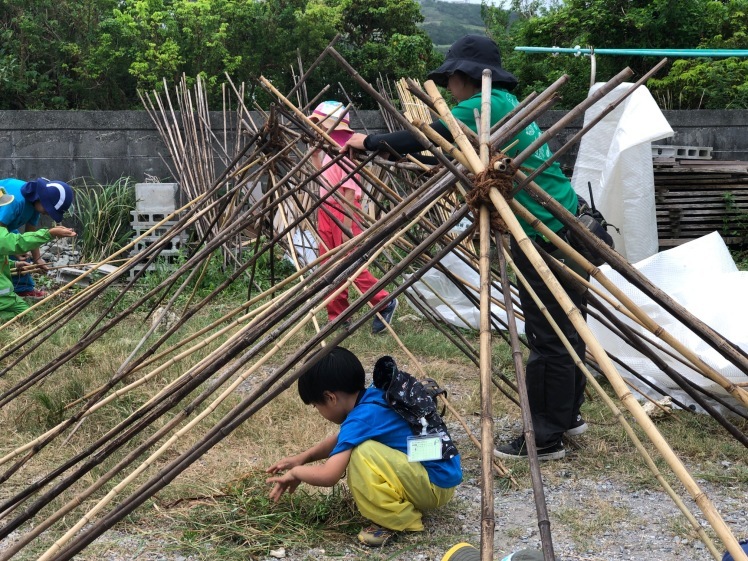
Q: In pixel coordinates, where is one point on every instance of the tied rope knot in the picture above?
(498, 174)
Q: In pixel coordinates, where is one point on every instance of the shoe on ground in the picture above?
(33, 294)
(387, 313)
(375, 536)
(517, 449)
(577, 427)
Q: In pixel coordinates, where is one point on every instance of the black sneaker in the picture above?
(377, 326)
(517, 449)
(577, 427)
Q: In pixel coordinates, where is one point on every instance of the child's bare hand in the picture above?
(62, 232)
(285, 464)
(21, 266)
(283, 483)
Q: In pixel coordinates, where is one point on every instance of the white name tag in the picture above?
(423, 448)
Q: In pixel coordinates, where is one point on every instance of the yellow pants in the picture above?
(389, 490)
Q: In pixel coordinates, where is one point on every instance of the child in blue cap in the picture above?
(31, 199)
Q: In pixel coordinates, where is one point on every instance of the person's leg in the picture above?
(389, 490)
(550, 373)
(21, 283)
(365, 281)
(10, 306)
(331, 237)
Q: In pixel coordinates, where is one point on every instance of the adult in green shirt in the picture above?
(555, 386)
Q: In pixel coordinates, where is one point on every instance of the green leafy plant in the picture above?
(103, 213)
(51, 404)
(735, 219)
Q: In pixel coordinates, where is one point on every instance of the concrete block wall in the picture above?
(106, 145)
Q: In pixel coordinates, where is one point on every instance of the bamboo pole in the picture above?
(617, 383)
(617, 413)
(488, 516)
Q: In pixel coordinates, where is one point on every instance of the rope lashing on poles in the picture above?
(498, 174)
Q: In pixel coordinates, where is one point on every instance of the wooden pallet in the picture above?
(692, 200)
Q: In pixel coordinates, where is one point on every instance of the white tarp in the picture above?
(449, 300)
(701, 276)
(615, 157)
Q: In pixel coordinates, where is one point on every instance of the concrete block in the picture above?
(68, 274)
(155, 197)
(149, 217)
(682, 152)
(174, 244)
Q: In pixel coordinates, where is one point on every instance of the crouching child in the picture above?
(372, 445)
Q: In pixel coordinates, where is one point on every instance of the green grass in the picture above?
(102, 213)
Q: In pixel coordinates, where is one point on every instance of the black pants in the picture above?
(554, 385)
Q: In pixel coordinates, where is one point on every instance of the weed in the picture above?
(241, 521)
(51, 405)
(735, 219)
(103, 213)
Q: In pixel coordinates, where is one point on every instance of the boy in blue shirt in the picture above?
(371, 446)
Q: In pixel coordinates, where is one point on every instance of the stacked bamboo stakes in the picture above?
(254, 333)
(295, 358)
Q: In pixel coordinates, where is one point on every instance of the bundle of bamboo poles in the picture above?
(236, 346)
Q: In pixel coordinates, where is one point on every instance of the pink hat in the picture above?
(331, 111)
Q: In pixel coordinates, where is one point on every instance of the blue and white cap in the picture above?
(55, 196)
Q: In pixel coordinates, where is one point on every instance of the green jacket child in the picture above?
(13, 244)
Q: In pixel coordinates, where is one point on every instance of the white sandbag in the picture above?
(615, 157)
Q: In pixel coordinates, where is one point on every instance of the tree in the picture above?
(635, 24)
(44, 59)
(88, 54)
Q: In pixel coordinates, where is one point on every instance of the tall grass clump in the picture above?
(103, 213)
(241, 522)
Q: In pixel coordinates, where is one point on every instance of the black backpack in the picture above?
(413, 401)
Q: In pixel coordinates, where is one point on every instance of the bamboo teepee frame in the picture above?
(266, 173)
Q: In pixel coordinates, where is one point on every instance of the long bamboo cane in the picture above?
(616, 412)
(648, 323)
(82, 540)
(544, 523)
(617, 383)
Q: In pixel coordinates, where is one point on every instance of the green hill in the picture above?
(445, 22)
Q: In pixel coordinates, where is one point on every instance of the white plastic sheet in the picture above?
(615, 157)
(701, 276)
(305, 245)
(443, 295)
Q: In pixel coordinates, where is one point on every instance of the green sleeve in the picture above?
(12, 244)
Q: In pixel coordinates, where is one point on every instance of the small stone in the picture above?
(278, 553)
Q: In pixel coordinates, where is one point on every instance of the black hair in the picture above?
(339, 370)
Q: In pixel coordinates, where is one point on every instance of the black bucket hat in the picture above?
(472, 54)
